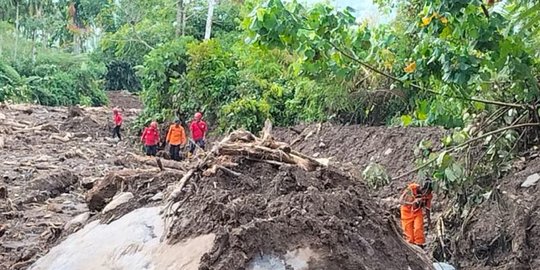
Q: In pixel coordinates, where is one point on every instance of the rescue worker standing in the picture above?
(150, 138)
(415, 200)
(117, 118)
(198, 130)
(176, 137)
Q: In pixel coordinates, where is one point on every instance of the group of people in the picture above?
(176, 136)
(415, 200)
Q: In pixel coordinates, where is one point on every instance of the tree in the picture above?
(180, 18)
(210, 16)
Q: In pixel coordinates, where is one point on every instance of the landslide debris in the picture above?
(265, 199)
(47, 154)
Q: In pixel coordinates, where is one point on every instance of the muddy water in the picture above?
(297, 259)
(132, 242)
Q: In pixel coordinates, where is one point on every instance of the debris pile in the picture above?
(263, 199)
(50, 157)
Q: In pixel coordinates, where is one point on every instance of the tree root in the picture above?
(244, 144)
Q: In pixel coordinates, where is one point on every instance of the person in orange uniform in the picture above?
(176, 137)
(415, 202)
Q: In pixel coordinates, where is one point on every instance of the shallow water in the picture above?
(298, 259)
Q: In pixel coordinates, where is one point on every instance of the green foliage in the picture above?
(375, 176)
(47, 76)
(244, 113)
(163, 80)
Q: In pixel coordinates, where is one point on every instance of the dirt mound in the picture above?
(259, 205)
(352, 148)
(356, 146)
(504, 231)
(275, 210)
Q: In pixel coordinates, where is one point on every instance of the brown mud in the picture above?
(504, 231)
(354, 147)
(271, 209)
(48, 156)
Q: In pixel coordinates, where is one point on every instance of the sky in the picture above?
(365, 9)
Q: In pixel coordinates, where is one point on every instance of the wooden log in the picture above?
(46, 127)
(170, 164)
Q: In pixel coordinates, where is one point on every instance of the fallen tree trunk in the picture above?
(170, 164)
(46, 127)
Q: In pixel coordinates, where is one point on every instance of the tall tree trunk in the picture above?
(184, 18)
(208, 29)
(34, 52)
(76, 43)
(16, 31)
(180, 18)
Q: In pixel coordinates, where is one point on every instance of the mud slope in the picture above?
(354, 147)
(264, 210)
(504, 232)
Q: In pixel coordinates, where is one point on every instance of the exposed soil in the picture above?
(501, 233)
(504, 231)
(272, 209)
(49, 155)
(118, 99)
(354, 147)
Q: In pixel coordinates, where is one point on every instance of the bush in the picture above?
(247, 113)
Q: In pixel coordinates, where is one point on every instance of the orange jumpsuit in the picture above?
(412, 216)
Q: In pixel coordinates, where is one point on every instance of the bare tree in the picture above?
(180, 17)
(208, 29)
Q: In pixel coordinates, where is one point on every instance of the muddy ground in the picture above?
(61, 171)
(501, 233)
(49, 156)
(504, 231)
(272, 210)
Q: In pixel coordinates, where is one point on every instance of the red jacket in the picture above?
(118, 119)
(150, 136)
(198, 129)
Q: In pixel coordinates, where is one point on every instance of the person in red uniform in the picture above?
(150, 138)
(198, 130)
(117, 118)
(415, 202)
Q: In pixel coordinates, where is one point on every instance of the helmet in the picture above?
(198, 115)
(153, 124)
(177, 121)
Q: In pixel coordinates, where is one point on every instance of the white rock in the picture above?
(78, 220)
(118, 200)
(87, 139)
(316, 155)
(531, 180)
(322, 145)
(388, 151)
(443, 266)
(157, 197)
